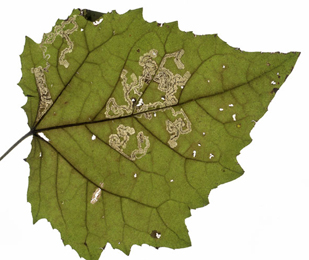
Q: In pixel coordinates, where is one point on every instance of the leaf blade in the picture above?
(77, 115)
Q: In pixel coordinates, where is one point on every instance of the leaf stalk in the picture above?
(17, 143)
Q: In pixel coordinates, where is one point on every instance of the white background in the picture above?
(262, 215)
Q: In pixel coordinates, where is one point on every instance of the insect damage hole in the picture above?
(140, 102)
(43, 136)
(273, 82)
(194, 153)
(155, 234)
(234, 117)
(93, 137)
(97, 22)
(211, 156)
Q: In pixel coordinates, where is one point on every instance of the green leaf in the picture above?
(140, 122)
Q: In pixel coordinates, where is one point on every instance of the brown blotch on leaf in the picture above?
(274, 91)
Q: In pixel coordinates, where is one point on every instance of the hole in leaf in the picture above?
(221, 109)
(204, 133)
(155, 234)
(163, 98)
(234, 117)
(199, 144)
(223, 66)
(172, 180)
(135, 175)
(273, 82)
(98, 21)
(231, 105)
(211, 156)
(155, 114)
(194, 153)
(43, 137)
(93, 137)
(140, 102)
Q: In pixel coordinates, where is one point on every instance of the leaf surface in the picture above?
(134, 123)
